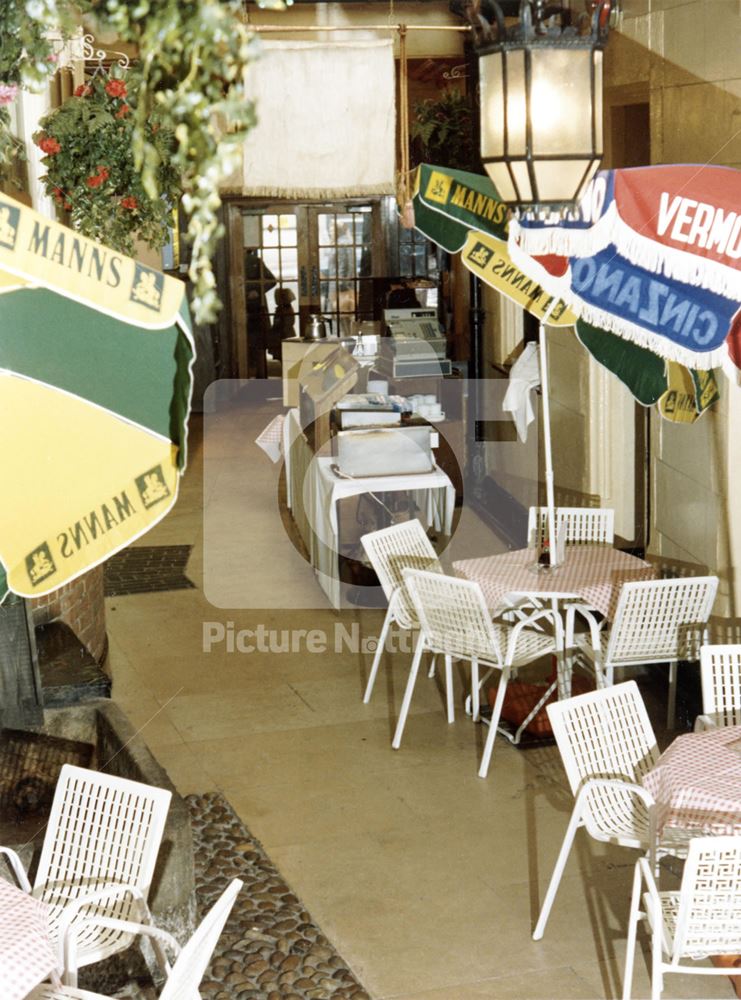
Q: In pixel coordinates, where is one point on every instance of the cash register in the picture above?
(415, 346)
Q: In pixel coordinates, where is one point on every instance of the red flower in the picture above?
(123, 111)
(67, 207)
(129, 202)
(49, 145)
(82, 91)
(97, 179)
(115, 88)
(58, 194)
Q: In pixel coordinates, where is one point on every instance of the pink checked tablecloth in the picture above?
(594, 573)
(697, 782)
(27, 957)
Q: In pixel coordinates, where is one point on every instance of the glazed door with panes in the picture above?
(325, 256)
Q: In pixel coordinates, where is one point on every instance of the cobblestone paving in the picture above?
(270, 949)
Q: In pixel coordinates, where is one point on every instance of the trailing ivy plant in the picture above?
(443, 131)
(90, 168)
(193, 55)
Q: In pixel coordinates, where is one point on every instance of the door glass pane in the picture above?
(270, 231)
(271, 283)
(344, 239)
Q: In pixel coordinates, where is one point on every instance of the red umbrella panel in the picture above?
(680, 224)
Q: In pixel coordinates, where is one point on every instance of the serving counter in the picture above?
(314, 492)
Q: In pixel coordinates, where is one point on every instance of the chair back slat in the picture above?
(658, 620)
(453, 615)
(606, 734)
(394, 549)
(584, 525)
(191, 964)
(709, 913)
(720, 669)
(102, 829)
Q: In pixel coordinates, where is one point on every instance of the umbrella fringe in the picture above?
(643, 251)
(701, 360)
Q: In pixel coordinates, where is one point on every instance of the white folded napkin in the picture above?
(524, 377)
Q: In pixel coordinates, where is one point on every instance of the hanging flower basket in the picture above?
(90, 169)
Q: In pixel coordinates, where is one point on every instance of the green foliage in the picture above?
(27, 60)
(193, 56)
(11, 148)
(26, 53)
(90, 169)
(444, 132)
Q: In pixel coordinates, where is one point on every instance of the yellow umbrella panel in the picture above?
(95, 383)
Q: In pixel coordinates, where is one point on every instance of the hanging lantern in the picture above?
(541, 101)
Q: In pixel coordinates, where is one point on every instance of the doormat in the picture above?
(270, 949)
(145, 569)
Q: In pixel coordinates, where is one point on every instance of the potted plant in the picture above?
(90, 170)
(444, 131)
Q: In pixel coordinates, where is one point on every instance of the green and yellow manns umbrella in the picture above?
(96, 356)
(461, 212)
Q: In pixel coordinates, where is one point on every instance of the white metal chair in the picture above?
(584, 525)
(702, 919)
(97, 860)
(720, 671)
(456, 623)
(187, 972)
(656, 621)
(391, 551)
(607, 744)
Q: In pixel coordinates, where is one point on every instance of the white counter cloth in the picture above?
(432, 492)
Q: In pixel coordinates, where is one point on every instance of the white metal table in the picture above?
(592, 573)
(697, 783)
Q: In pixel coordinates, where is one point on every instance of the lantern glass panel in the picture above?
(561, 101)
(559, 180)
(492, 104)
(516, 138)
(500, 178)
(522, 180)
(598, 102)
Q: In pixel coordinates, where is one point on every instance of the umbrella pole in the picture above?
(546, 408)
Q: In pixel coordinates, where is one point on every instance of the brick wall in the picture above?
(80, 605)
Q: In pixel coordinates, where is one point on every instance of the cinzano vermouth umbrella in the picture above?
(96, 353)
